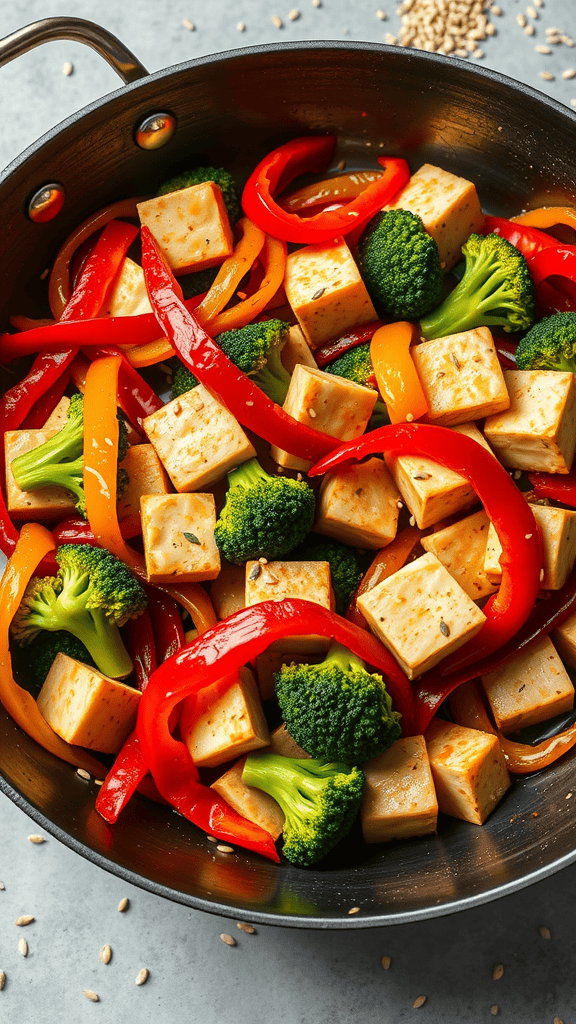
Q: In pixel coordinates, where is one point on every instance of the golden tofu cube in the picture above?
(335, 406)
(178, 536)
(276, 581)
(146, 475)
(87, 708)
(326, 292)
(564, 639)
(197, 439)
(191, 226)
(461, 377)
(533, 687)
(461, 548)
(421, 614)
(233, 725)
(58, 416)
(296, 350)
(227, 592)
(558, 530)
(45, 504)
(399, 799)
(359, 505)
(448, 207)
(128, 295)
(468, 769)
(538, 431)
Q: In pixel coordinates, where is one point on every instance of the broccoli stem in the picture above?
(67, 444)
(340, 657)
(465, 307)
(273, 379)
(57, 474)
(291, 782)
(248, 475)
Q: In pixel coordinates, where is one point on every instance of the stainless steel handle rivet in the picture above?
(155, 130)
(46, 203)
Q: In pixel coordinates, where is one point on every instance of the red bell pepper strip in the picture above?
(306, 155)
(142, 645)
(527, 240)
(217, 655)
(553, 485)
(330, 350)
(122, 781)
(557, 262)
(166, 622)
(510, 513)
(337, 189)
(100, 270)
(245, 400)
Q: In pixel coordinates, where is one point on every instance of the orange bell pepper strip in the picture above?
(547, 217)
(232, 270)
(33, 544)
(396, 376)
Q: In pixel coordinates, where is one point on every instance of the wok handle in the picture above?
(81, 31)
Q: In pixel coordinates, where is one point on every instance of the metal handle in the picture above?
(81, 31)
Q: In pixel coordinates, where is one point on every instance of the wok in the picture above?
(518, 147)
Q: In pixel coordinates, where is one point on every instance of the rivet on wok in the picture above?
(155, 130)
(46, 203)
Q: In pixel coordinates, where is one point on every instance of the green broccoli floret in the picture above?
(356, 365)
(37, 657)
(320, 800)
(93, 595)
(199, 175)
(495, 291)
(337, 709)
(264, 516)
(254, 349)
(347, 566)
(60, 460)
(549, 345)
(400, 265)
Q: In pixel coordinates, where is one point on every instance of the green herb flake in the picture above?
(193, 540)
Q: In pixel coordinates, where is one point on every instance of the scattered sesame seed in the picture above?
(2, 980)
(521, 20)
(490, 29)
(253, 575)
(495, 11)
(532, 12)
(142, 976)
(568, 796)
(23, 947)
(409, 417)
(318, 294)
(381, 15)
(263, 561)
(419, 1001)
(528, 536)
(544, 932)
(294, 14)
(412, 521)
(248, 929)
(444, 628)
(222, 848)
(354, 910)
(529, 30)
(91, 995)
(123, 905)
(390, 39)
(105, 954)
(36, 839)
(24, 919)
(494, 1010)
(543, 49)
(317, 3)
(573, 103)
(82, 771)
(249, 404)
(567, 40)
(241, 26)
(539, 3)
(552, 31)
(228, 939)
(386, 961)
(188, 24)
(399, 504)
(211, 839)
(478, 54)
(277, 21)
(2, 886)
(67, 69)
(541, 575)
(497, 972)
(312, 414)
(98, 782)
(569, 73)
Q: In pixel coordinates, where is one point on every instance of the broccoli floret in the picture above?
(356, 365)
(199, 175)
(37, 657)
(495, 291)
(400, 265)
(549, 345)
(264, 516)
(60, 460)
(337, 709)
(93, 595)
(320, 800)
(254, 349)
(347, 566)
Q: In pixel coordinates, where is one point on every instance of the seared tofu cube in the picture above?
(58, 416)
(197, 439)
(359, 505)
(191, 226)
(564, 639)
(296, 350)
(227, 592)
(178, 536)
(326, 292)
(461, 548)
(461, 377)
(275, 581)
(533, 687)
(146, 475)
(558, 530)
(336, 406)
(45, 504)
(399, 799)
(468, 769)
(420, 614)
(447, 205)
(128, 295)
(430, 491)
(538, 431)
(233, 725)
(87, 708)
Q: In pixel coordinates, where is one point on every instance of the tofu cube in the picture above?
(146, 475)
(326, 292)
(233, 725)
(533, 687)
(127, 295)
(296, 350)
(87, 708)
(276, 581)
(447, 205)
(468, 769)
(191, 226)
(430, 491)
(420, 614)
(558, 530)
(461, 548)
(538, 431)
(58, 416)
(197, 439)
(461, 377)
(336, 406)
(399, 799)
(45, 504)
(564, 640)
(178, 536)
(359, 505)
(228, 591)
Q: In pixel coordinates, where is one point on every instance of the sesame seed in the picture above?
(386, 961)
(36, 839)
(228, 939)
(478, 54)
(567, 40)
(497, 972)
(67, 69)
(558, 1021)
(83, 774)
(188, 24)
(528, 536)
(317, 3)
(399, 504)
(211, 839)
(241, 26)
(318, 294)
(544, 932)
(91, 995)
(494, 1010)
(569, 73)
(412, 521)
(253, 575)
(521, 20)
(294, 14)
(532, 12)
(541, 575)
(568, 796)
(23, 947)
(224, 849)
(105, 954)
(142, 976)
(529, 30)
(312, 414)
(444, 628)
(2, 980)
(381, 15)
(573, 103)
(390, 39)
(354, 910)
(495, 11)
(409, 417)
(543, 49)
(248, 929)
(2, 886)
(277, 22)
(419, 1001)
(123, 905)
(547, 76)
(263, 561)
(24, 919)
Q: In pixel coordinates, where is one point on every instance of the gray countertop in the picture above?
(275, 974)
